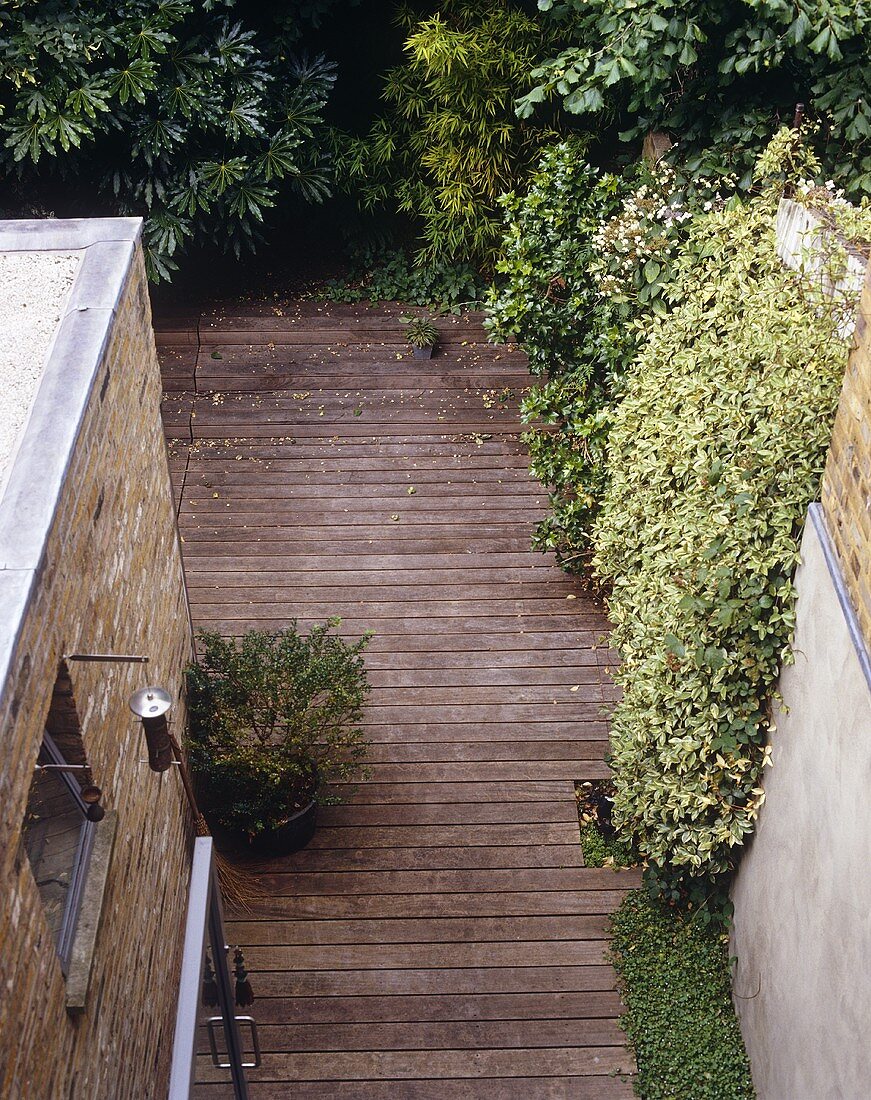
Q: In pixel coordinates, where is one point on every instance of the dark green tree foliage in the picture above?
(307, 13)
(548, 301)
(545, 296)
(450, 143)
(174, 109)
(716, 75)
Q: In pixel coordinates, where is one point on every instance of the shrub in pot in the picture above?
(422, 335)
(274, 718)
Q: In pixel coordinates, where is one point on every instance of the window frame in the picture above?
(67, 933)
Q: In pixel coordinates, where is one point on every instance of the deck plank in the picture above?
(440, 937)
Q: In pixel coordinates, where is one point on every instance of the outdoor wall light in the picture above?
(151, 705)
(91, 796)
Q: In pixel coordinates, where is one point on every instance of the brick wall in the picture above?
(846, 494)
(111, 581)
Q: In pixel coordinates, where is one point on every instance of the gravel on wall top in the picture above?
(34, 287)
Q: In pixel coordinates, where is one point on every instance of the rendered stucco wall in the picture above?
(90, 563)
(802, 929)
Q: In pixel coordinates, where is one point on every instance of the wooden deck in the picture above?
(440, 937)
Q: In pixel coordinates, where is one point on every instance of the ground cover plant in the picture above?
(677, 995)
(600, 844)
(383, 274)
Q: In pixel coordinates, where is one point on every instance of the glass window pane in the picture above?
(53, 828)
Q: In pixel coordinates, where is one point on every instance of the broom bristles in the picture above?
(239, 888)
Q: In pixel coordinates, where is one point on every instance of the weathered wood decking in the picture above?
(440, 937)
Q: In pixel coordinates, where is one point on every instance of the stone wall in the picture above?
(847, 482)
(108, 580)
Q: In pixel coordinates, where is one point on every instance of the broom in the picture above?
(238, 887)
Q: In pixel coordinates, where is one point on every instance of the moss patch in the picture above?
(600, 844)
(603, 851)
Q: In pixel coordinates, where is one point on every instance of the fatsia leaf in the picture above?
(133, 81)
(245, 117)
(90, 98)
(219, 175)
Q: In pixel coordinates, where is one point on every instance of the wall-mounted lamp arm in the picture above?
(130, 658)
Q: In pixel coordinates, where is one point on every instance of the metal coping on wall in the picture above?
(36, 478)
(818, 519)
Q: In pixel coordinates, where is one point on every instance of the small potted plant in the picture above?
(422, 335)
(274, 717)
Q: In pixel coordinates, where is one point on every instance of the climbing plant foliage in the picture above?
(170, 109)
(691, 380)
(715, 451)
(715, 75)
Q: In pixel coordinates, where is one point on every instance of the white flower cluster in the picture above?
(643, 230)
(827, 193)
(648, 228)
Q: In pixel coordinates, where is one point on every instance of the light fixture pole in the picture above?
(151, 705)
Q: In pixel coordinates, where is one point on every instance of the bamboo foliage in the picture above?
(450, 143)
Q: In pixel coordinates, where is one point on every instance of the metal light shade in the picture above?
(150, 702)
(151, 705)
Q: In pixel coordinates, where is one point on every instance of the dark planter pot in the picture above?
(422, 353)
(293, 835)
